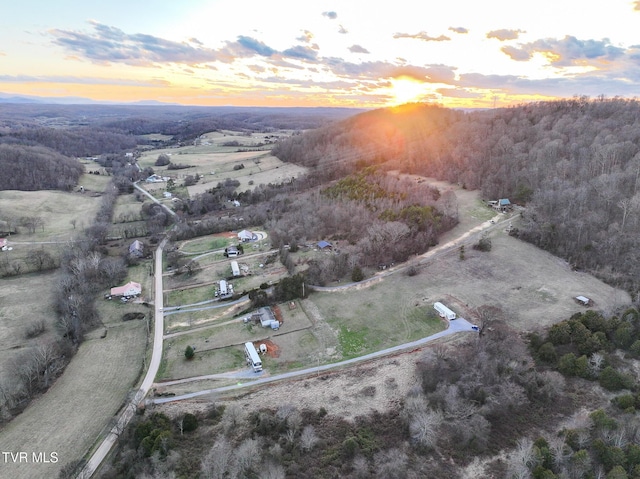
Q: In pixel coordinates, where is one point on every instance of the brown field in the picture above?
(75, 411)
(216, 162)
(56, 208)
(19, 306)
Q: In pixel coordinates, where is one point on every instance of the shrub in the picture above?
(612, 380)
(547, 353)
(35, 329)
(189, 422)
(357, 275)
(189, 353)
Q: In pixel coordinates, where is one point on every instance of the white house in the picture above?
(246, 235)
(443, 311)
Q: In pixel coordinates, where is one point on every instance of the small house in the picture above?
(136, 249)
(324, 245)
(155, 179)
(246, 235)
(128, 290)
(503, 205)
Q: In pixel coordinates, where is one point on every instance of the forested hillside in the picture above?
(33, 168)
(575, 164)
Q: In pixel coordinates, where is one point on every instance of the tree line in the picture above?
(574, 163)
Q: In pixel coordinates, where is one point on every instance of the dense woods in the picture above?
(574, 163)
(36, 168)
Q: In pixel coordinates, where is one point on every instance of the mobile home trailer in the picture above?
(252, 356)
(235, 269)
(443, 311)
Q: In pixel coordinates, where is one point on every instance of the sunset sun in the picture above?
(406, 90)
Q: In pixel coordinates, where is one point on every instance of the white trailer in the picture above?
(444, 312)
(235, 269)
(252, 356)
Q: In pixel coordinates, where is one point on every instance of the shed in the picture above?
(583, 300)
(324, 245)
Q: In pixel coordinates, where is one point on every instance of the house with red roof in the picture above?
(130, 289)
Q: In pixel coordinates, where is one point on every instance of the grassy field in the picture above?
(74, 412)
(58, 210)
(19, 307)
(215, 162)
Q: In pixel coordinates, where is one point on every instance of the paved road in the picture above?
(158, 330)
(455, 326)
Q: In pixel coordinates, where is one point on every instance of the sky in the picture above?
(335, 53)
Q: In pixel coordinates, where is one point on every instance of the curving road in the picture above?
(455, 326)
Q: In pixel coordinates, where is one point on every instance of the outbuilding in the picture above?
(443, 311)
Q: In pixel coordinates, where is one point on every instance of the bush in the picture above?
(483, 245)
(612, 380)
(189, 422)
(547, 353)
(357, 275)
(189, 353)
(35, 329)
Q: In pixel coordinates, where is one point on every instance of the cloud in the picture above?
(422, 36)
(111, 45)
(568, 51)
(458, 30)
(459, 93)
(306, 36)
(505, 34)
(256, 46)
(301, 52)
(374, 71)
(636, 6)
(358, 49)
(342, 30)
(330, 15)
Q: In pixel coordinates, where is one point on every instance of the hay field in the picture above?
(75, 411)
(58, 209)
(24, 299)
(215, 162)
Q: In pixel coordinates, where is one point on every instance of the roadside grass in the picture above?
(352, 343)
(189, 295)
(75, 411)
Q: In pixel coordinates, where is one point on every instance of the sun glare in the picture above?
(406, 90)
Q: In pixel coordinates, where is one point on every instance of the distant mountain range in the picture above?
(69, 100)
